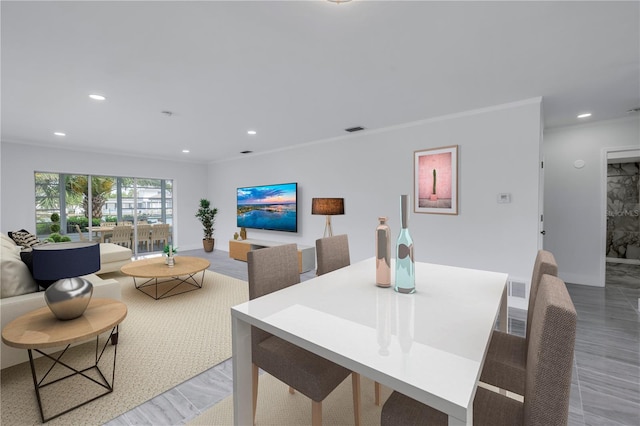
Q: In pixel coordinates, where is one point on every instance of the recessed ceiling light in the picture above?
(186, 151)
(585, 115)
(251, 132)
(97, 97)
(59, 134)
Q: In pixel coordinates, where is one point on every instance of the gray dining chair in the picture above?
(332, 254)
(547, 378)
(506, 359)
(272, 269)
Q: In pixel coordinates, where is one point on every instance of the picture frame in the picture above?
(435, 180)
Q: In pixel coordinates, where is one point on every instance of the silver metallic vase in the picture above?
(69, 297)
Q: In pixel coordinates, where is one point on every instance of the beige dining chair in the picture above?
(82, 237)
(160, 235)
(143, 234)
(272, 269)
(332, 254)
(505, 364)
(547, 378)
(121, 235)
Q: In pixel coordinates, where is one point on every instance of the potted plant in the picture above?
(207, 216)
(55, 222)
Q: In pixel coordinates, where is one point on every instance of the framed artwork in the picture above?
(435, 180)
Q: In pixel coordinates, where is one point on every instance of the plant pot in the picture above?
(208, 243)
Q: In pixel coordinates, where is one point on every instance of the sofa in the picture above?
(20, 293)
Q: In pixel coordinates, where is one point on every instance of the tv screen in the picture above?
(270, 207)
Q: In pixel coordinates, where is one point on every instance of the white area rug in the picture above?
(162, 343)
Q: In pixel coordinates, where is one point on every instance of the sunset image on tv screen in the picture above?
(271, 207)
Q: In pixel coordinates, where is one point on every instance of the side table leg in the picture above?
(35, 384)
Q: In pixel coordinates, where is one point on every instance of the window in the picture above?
(65, 197)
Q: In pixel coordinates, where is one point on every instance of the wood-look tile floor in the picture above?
(605, 388)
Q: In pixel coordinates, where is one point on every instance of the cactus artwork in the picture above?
(434, 181)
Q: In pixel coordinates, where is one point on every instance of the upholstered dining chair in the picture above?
(273, 269)
(121, 235)
(547, 378)
(506, 359)
(332, 254)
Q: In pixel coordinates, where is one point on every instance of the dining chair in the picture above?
(121, 235)
(547, 378)
(272, 269)
(82, 237)
(143, 234)
(332, 254)
(160, 235)
(506, 359)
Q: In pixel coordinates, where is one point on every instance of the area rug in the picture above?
(162, 343)
(277, 407)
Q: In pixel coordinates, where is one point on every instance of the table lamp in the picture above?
(66, 262)
(327, 207)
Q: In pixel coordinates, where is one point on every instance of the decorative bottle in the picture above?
(405, 266)
(383, 254)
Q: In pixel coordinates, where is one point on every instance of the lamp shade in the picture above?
(327, 206)
(65, 260)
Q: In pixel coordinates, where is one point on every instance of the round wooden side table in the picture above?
(40, 329)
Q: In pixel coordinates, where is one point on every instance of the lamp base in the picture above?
(328, 231)
(68, 297)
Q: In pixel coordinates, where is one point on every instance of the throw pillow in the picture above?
(24, 238)
(27, 258)
(16, 279)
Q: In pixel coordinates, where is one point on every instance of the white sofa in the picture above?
(113, 257)
(16, 278)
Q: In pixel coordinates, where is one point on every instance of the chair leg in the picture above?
(377, 392)
(355, 379)
(316, 413)
(254, 377)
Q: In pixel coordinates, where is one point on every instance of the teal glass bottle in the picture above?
(405, 266)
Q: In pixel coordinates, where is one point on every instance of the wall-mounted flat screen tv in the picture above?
(270, 207)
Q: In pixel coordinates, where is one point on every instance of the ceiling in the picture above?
(299, 71)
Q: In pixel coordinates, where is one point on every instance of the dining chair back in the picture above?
(332, 253)
(272, 269)
(160, 235)
(506, 360)
(143, 234)
(81, 235)
(121, 235)
(548, 373)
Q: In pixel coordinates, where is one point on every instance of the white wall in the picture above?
(498, 152)
(575, 198)
(20, 161)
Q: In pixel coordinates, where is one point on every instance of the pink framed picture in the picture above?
(436, 180)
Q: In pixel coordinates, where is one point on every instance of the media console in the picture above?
(238, 250)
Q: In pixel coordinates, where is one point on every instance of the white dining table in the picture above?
(429, 345)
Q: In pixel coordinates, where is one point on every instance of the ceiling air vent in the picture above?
(632, 110)
(246, 152)
(354, 129)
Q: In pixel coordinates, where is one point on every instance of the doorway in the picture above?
(622, 239)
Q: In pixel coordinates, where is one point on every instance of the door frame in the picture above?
(622, 152)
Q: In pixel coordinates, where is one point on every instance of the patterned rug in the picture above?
(162, 343)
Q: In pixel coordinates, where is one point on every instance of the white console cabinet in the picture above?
(238, 250)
